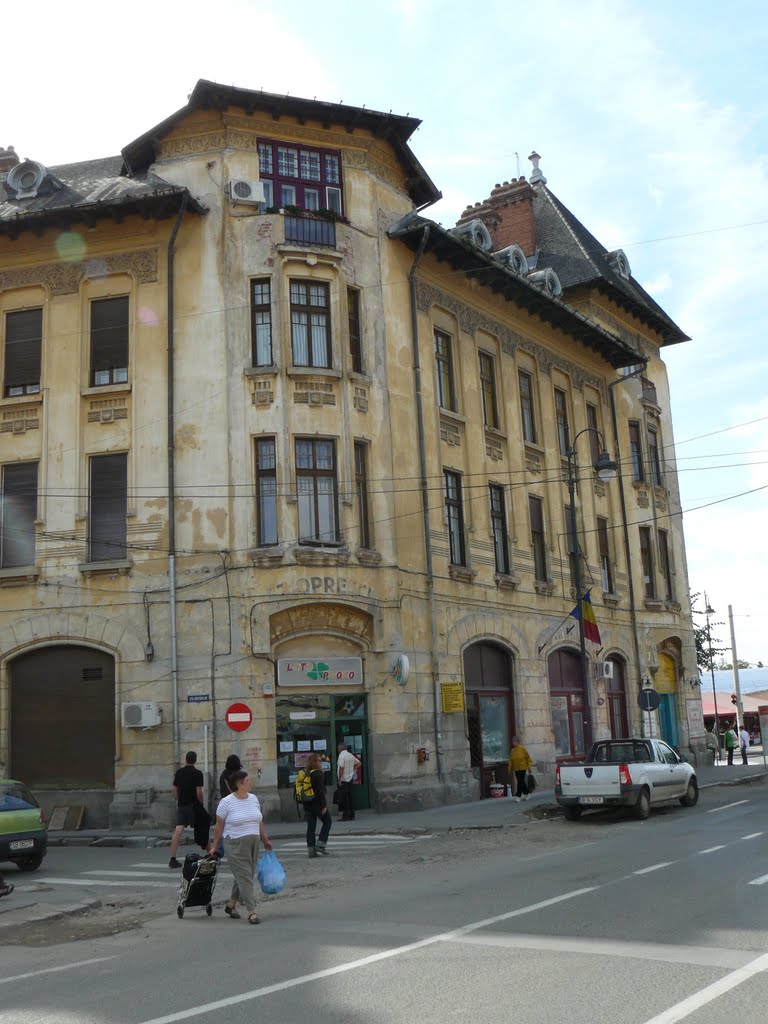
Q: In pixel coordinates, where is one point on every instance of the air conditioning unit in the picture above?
(246, 191)
(144, 715)
(604, 670)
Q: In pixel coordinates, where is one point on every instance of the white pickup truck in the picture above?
(636, 773)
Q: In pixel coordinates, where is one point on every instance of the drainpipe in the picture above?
(425, 500)
(172, 490)
(625, 526)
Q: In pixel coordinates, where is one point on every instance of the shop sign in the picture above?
(319, 672)
(452, 697)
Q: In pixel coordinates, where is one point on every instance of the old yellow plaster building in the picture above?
(271, 437)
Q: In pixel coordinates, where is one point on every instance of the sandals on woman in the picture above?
(253, 919)
(231, 912)
(6, 890)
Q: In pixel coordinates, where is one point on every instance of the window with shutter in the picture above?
(109, 341)
(108, 507)
(18, 511)
(23, 343)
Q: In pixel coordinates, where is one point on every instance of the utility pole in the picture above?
(709, 610)
(737, 688)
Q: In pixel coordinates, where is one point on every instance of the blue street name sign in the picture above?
(198, 698)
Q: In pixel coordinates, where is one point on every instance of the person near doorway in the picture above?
(239, 818)
(188, 785)
(346, 766)
(730, 741)
(232, 764)
(317, 808)
(6, 888)
(744, 744)
(712, 744)
(519, 763)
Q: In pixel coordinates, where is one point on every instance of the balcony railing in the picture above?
(649, 390)
(310, 231)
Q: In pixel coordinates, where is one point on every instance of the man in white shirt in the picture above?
(346, 766)
(744, 743)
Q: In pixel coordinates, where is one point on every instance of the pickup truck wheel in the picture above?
(572, 813)
(643, 806)
(691, 797)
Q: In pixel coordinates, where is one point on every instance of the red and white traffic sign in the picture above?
(238, 717)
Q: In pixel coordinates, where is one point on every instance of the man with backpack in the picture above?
(310, 793)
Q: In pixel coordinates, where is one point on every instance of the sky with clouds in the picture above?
(651, 122)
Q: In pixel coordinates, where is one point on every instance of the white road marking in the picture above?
(365, 961)
(52, 970)
(753, 835)
(134, 874)
(725, 807)
(712, 849)
(653, 867)
(759, 881)
(102, 881)
(707, 995)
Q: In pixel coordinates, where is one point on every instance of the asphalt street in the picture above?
(605, 919)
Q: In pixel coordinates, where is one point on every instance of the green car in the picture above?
(23, 835)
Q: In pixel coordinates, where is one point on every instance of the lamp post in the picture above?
(709, 610)
(606, 470)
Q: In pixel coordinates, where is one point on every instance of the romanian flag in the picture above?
(591, 632)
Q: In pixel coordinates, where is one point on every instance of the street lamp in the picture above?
(606, 470)
(709, 610)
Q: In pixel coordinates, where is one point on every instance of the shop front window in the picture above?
(568, 711)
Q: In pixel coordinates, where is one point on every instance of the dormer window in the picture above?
(25, 179)
(618, 261)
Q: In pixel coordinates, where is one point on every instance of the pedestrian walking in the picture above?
(188, 785)
(317, 808)
(6, 888)
(232, 764)
(239, 820)
(712, 744)
(346, 766)
(744, 744)
(519, 763)
(730, 741)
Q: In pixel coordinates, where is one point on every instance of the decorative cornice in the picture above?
(471, 320)
(65, 278)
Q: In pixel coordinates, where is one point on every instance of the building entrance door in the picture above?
(490, 712)
(668, 719)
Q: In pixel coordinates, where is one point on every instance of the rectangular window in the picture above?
(261, 322)
(23, 345)
(499, 528)
(636, 452)
(353, 319)
(488, 389)
(526, 406)
(646, 557)
(309, 179)
(108, 507)
(573, 553)
(361, 495)
(317, 492)
(654, 462)
(446, 392)
(594, 433)
(310, 323)
(561, 416)
(109, 341)
(536, 512)
(18, 512)
(455, 515)
(665, 564)
(266, 491)
(605, 555)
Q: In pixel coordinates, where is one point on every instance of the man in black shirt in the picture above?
(187, 790)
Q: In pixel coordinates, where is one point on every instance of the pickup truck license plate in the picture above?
(22, 844)
(590, 799)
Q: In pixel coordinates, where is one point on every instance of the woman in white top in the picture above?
(239, 820)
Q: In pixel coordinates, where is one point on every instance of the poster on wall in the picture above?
(695, 715)
(304, 745)
(286, 746)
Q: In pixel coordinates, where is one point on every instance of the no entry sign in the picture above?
(238, 717)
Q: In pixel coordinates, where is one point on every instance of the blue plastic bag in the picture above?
(271, 875)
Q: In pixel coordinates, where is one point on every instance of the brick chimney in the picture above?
(508, 212)
(8, 159)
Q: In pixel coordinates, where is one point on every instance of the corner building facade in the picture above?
(270, 437)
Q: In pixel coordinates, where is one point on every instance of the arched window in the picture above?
(490, 707)
(567, 705)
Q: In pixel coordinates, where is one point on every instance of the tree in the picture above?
(705, 656)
